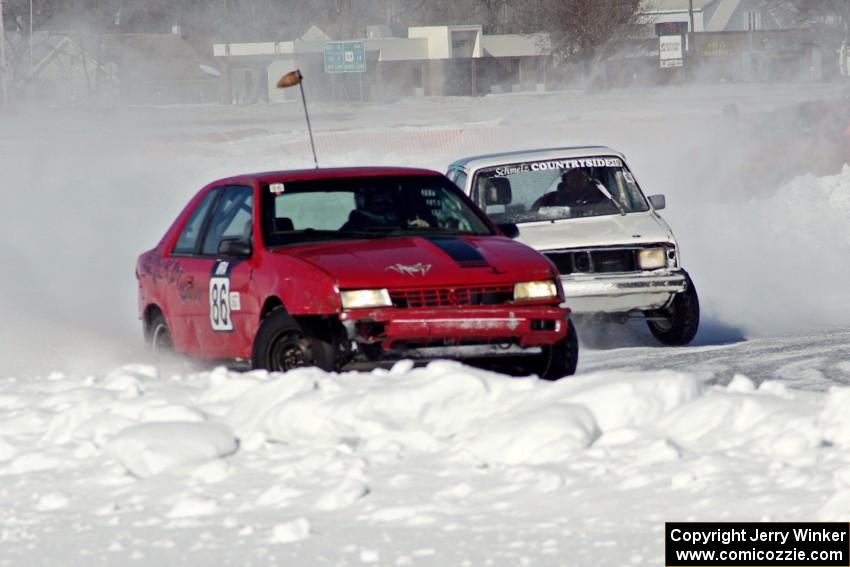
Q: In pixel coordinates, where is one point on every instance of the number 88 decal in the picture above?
(220, 304)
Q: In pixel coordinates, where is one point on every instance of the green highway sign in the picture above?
(345, 57)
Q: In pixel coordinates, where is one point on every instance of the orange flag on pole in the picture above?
(290, 79)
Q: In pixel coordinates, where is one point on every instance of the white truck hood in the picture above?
(608, 230)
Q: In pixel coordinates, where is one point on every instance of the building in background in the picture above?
(733, 40)
(75, 69)
(64, 70)
(737, 40)
(717, 15)
(161, 68)
(431, 60)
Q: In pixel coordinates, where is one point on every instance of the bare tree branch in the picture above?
(583, 29)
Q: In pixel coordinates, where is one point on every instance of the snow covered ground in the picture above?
(105, 459)
(442, 465)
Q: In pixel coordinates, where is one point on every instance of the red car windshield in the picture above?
(365, 207)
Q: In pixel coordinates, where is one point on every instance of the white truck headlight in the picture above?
(356, 298)
(652, 258)
(545, 289)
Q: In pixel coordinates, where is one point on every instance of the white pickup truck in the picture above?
(584, 210)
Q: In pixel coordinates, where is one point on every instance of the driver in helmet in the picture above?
(376, 207)
(575, 188)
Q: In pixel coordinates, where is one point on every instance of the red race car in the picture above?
(335, 267)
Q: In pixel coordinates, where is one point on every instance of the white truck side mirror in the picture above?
(658, 202)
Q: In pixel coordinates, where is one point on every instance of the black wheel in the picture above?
(166, 360)
(680, 321)
(560, 359)
(159, 337)
(282, 344)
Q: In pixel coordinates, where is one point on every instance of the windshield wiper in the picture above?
(604, 190)
(360, 233)
(314, 234)
(415, 230)
(381, 229)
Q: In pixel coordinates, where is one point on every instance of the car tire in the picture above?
(560, 359)
(682, 322)
(166, 360)
(159, 337)
(282, 344)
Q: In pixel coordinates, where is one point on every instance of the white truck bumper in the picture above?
(620, 293)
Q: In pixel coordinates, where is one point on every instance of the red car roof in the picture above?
(327, 173)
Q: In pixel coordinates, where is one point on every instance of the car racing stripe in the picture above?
(460, 251)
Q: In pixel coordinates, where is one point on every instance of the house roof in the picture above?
(515, 45)
(45, 47)
(783, 12)
(315, 34)
(156, 56)
(724, 12)
(46, 52)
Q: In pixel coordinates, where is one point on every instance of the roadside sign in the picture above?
(671, 63)
(670, 50)
(345, 57)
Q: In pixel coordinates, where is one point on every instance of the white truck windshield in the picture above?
(557, 189)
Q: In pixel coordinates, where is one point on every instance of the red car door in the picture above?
(184, 291)
(224, 276)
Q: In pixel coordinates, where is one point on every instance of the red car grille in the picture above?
(452, 297)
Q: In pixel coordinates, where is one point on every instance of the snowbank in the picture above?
(151, 448)
(349, 466)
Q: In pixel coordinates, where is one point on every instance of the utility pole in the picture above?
(691, 15)
(31, 63)
(689, 36)
(3, 71)
(846, 21)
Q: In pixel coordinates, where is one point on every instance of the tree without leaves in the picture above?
(582, 29)
(488, 13)
(239, 20)
(578, 27)
(830, 19)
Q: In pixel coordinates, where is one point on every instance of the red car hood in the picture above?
(423, 261)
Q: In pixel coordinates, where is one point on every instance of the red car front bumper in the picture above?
(525, 326)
